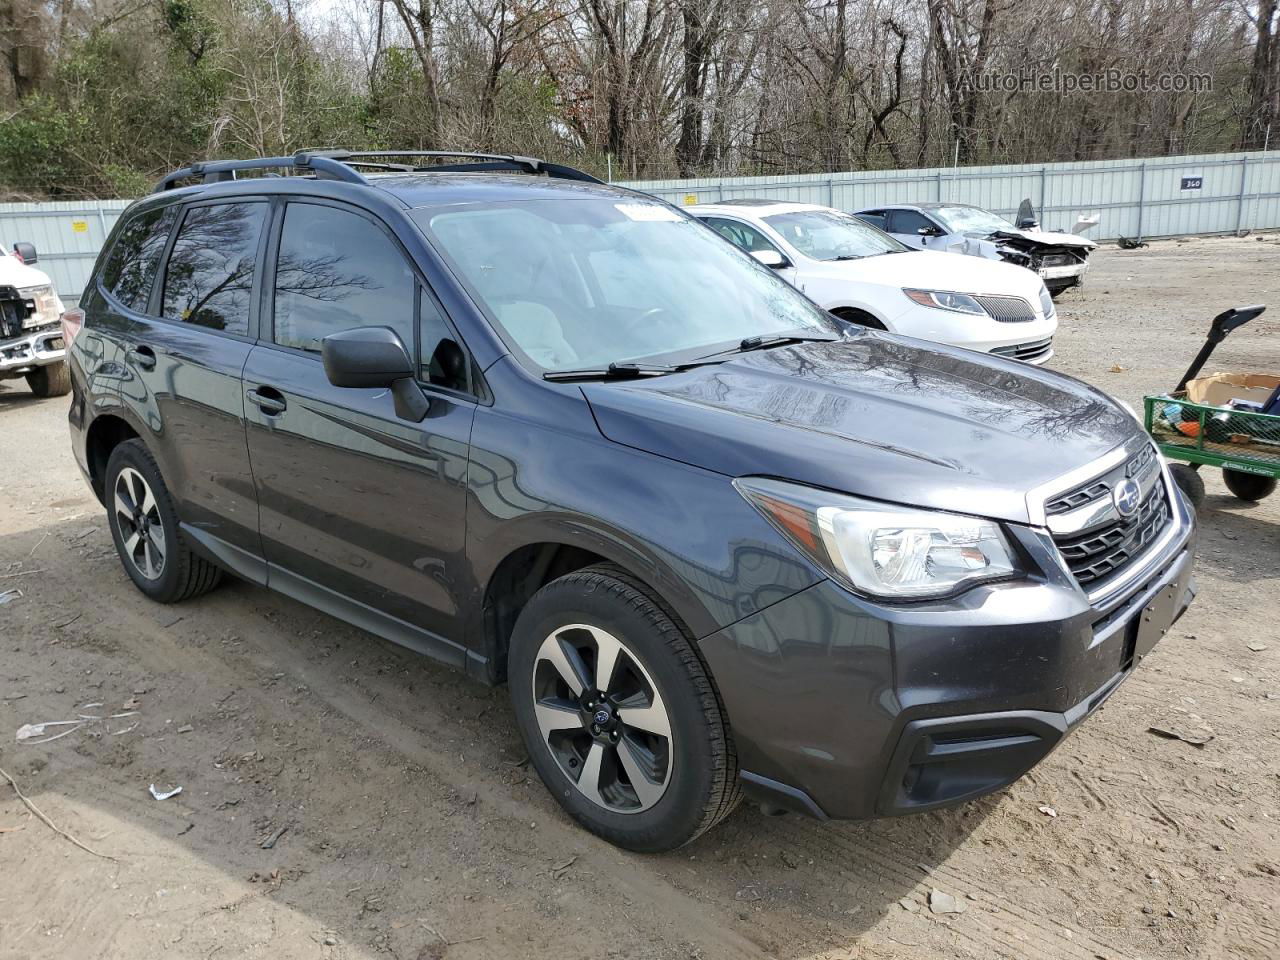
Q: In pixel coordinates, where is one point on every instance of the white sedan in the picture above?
(862, 274)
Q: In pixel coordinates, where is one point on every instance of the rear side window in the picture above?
(336, 270)
(209, 277)
(131, 265)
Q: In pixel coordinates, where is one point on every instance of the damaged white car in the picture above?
(31, 343)
(1061, 259)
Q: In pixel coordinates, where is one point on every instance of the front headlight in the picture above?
(881, 550)
(944, 300)
(1046, 301)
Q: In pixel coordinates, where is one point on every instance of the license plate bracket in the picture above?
(1154, 620)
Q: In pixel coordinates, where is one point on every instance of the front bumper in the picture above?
(35, 348)
(983, 334)
(1074, 271)
(843, 708)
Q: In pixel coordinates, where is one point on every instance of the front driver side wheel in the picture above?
(618, 714)
(144, 526)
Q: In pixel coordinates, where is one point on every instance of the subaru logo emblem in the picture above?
(601, 717)
(1126, 497)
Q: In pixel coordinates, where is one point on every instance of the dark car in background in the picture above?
(563, 436)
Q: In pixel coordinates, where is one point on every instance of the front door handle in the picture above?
(141, 356)
(267, 400)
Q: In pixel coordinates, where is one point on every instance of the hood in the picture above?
(936, 270)
(1047, 238)
(15, 273)
(874, 415)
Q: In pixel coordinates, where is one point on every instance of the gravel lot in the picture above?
(412, 827)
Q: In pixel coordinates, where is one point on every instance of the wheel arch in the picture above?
(851, 312)
(527, 568)
(106, 432)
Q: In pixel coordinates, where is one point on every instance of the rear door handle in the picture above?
(267, 400)
(141, 356)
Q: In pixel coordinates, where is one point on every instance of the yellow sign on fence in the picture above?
(690, 199)
(79, 226)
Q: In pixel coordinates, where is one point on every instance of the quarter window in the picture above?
(209, 277)
(131, 265)
(336, 270)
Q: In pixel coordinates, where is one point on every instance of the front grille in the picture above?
(1101, 551)
(1007, 309)
(1097, 489)
(1026, 351)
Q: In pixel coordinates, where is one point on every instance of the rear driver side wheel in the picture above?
(144, 526)
(618, 714)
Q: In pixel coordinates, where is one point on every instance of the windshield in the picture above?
(831, 235)
(971, 220)
(588, 282)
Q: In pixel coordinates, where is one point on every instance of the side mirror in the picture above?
(929, 231)
(25, 252)
(1028, 223)
(374, 357)
(771, 259)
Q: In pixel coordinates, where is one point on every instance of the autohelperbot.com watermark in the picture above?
(1111, 80)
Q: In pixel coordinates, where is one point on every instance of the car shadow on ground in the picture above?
(14, 393)
(403, 787)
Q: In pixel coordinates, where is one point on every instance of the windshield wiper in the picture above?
(846, 256)
(621, 371)
(747, 344)
(765, 343)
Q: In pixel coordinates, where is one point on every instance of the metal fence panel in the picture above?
(67, 236)
(1158, 197)
(1155, 197)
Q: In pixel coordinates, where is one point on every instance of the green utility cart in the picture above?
(1243, 443)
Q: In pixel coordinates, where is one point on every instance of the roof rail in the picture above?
(342, 164)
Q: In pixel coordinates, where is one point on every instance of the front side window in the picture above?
(337, 270)
(910, 222)
(131, 265)
(740, 234)
(209, 277)
(586, 282)
(973, 221)
(831, 235)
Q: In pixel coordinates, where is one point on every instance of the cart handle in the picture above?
(1222, 325)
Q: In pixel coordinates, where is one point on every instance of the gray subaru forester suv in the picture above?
(566, 438)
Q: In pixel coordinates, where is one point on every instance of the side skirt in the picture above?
(254, 569)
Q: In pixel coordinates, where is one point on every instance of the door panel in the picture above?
(183, 372)
(355, 499)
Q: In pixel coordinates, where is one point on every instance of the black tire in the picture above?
(181, 574)
(702, 786)
(1189, 482)
(1248, 486)
(860, 317)
(51, 380)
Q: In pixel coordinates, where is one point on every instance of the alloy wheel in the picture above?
(602, 718)
(138, 518)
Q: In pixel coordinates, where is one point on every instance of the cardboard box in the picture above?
(1219, 389)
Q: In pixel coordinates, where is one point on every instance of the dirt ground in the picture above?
(413, 829)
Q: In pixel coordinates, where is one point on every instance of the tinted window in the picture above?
(908, 221)
(336, 270)
(876, 219)
(209, 276)
(131, 266)
(740, 234)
